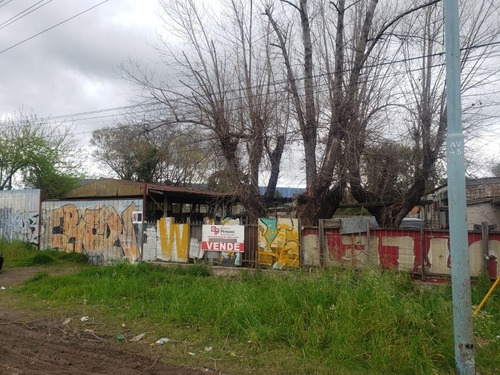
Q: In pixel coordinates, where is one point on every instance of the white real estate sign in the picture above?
(228, 238)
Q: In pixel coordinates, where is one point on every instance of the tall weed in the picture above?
(336, 321)
(22, 254)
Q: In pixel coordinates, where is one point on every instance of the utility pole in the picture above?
(460, 274)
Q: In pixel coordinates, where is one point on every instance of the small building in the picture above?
(483, 205)
(159, 201)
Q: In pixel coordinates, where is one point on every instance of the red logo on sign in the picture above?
(215, 230)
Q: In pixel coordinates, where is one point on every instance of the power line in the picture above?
(147, 107)
(281, 91)
(52, 27)
(23, 14)
(2, 5)
(143, 104)
(234, 90)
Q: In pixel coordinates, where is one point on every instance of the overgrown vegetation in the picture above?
(22, 254)
(332, 321)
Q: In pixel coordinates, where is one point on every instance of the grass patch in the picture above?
(21, 254)
(336, 321)
(39, 276)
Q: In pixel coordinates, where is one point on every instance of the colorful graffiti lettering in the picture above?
(174, 240)
(100, 232)
(278, 243)
(19, 225)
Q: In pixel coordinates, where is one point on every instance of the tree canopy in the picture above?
(348, 83)
(36, 155)
(171, 154)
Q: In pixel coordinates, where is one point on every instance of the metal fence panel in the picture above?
(104, 229)
(19, 215)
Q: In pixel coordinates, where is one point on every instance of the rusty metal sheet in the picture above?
(107, 188)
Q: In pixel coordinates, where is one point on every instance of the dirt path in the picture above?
(44, 345)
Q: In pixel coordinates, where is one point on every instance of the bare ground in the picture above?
(46, 345)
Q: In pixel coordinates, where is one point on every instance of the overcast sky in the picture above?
(72, 67)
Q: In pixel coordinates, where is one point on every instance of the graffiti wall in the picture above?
(173, 240)
(409, 251)
(101, 229)
(278, 243)
(19, 212)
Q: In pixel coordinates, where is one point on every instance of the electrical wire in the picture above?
(2, 5)
(83, 116)
(52, 27)
(153, 106)
(23, 14)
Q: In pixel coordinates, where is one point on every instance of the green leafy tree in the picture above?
(35, 155)
(147, 152)
(122, 150)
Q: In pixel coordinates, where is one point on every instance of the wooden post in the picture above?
(353, 258)
(422, 253)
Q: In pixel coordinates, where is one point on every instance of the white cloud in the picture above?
(72, 68)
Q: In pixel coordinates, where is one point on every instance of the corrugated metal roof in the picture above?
(108, 187)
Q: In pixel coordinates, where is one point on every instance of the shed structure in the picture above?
(483, 205)
(111, 220)
(182, 203)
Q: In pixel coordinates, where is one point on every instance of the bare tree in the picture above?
(341, 75)
(338, 93)
(423, 108)
(226, 86)
(349, 85)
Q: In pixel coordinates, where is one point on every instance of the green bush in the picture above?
(41, 258)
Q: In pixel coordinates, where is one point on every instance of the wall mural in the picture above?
(278, 243)
(104, 232)
(173, 240)
(19, 225)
